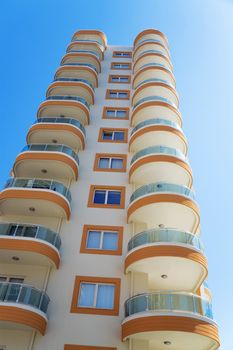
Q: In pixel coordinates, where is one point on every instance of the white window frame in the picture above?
(96, 293)
(101, 239)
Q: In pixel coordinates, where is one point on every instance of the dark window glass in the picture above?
(114, 197)
(99, 197)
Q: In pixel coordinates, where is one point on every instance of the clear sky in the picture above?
(35, 34)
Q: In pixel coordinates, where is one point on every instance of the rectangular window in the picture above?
(96, 295)
(121, 65)
(123, 54)
(102, 240)
(110, 162)
(113, 135)
(117, 94)
(116, 113)
(120, 79)
(107, 197)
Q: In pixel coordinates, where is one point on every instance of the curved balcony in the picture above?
(65, 107)
(150, 45)
(86, 46)
(23, 307)
(83, 58)
(153, 71)
(91, 35)
(165, 204)
(151, 87)
(29, 244)
(47, 161)
(77, 72)
(153, 98)
(92, 66)
(75, 80)
(152, 56)
(71, 88)
(160, 163)
(69, 132)
(180, 320)
(157, 132)
(85, 52)
(171, 259)
(149, 34)
(155, 108)
(35, 197)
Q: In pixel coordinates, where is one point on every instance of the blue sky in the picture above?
(35, 34)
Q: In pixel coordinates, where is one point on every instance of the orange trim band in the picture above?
(36, 194)
(31, 246)
(162, 198)
(95, 311)
(151, 128)
(65, 103)
(54, 126)
(149, 31)
(169, 323)
(155, 251)
(160, 158)
(47, 156)
(86, 228)
(70, 84)
(22, 316)
(156, 103)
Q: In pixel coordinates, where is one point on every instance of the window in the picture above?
(125, 54)
(107, 197)
(117, 94)
(120, 79)
(110, 162)
(122, 65)
(116, 113)
(102, 240)
(112, 135)
(96, 295)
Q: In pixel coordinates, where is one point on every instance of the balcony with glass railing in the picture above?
(82, 58)
(153, 98)
(180, 320)
(73, 80)
(151, 34)
(69, 98)
(35, 197)
(91, 35)
(33, 244)
(168, 204)
(147, 45)
(86, 46)
(152, 57)
(153, 71)
(23, 307)
(80, 65)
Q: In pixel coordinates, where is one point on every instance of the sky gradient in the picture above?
(35, 34)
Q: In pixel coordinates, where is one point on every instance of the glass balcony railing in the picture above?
(165, 236)
(169, 302)
(153, 81)
(75, 80)
(154, 98)
(152, 41)
(52, 148)
(158, 150)
(156, 121)
(85, 51)
(62, 120)
(90, 41)
(39, 184)
(80, 65)
(30, 231)
(156, 65)
(150, 51)
(67, 97)
(23, 294)
(161, 187)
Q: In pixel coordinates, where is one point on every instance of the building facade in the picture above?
(100, 230)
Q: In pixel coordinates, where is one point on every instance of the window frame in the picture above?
(118, 92)
(119, 76)
(94, 188)
(110, 156)
(87, 228)
(125, 109)
(129, 67)
(91, 310)
(101, 130)
(129, 54)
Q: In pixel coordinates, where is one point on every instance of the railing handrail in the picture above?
(154, 80)
(158, 150)
(151, 51)
(43, 147)
(154, 122)
(159, 65)
(69, 97)
(165, 235)
(74, 80)
(154, 98)
(152, 41)
(62, 121)
(85, 51)
(80, 64)
(50, 185)
(163, 187)
(40, 232)
(88, 40)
